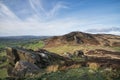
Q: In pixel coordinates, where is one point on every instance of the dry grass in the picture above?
(72, 48)
(52, 68)
(93, 66)
(70, 67)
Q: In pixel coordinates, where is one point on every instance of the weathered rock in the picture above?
(27, 61)
(103, 53)
(68, 55)
(78, 53)
(23, 62)
(101, 58)
(101, 62)
(23, 68)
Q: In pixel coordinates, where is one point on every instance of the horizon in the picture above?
(55, 35)
(59, 17)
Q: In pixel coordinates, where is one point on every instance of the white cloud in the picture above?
(11, 25)
(40, 10)
(56, 8)
(33, 25)
(5, 12)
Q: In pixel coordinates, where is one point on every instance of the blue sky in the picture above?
(58, 17)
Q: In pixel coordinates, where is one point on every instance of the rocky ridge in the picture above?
(23, 62)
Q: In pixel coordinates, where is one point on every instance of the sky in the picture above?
(58, 17)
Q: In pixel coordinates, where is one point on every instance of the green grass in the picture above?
(3, 64)
(79, 74)
(35, 45)
(116, 48)
(73, 74)
(3, 73)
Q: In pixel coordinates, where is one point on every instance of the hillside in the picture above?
(80, 38)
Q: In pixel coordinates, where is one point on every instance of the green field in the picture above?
(34, 45)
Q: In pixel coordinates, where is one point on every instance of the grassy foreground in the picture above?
(78, 74)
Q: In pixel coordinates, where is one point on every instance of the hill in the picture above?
(78, 38)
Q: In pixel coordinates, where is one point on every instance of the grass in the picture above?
(3, 53)
(72, 48)
(78, 74)
(3, 70)
(116, 48)
(3, 64)
(35, 45)
(3, 73)
(83, 73)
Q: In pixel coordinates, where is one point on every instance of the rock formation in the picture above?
(103, 58)
(23, 62)
(29, 62)
(103, 53)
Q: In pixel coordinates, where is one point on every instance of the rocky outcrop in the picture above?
(101, 62)
(77, 53)
(103, 53)
(24, 62)
(103, 59)
(24, 68)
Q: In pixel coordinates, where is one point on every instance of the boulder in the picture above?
(23, 68)
(68, 55)
(78, 53)
(22, 62)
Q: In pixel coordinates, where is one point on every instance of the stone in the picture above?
(78, 53)
(23, 68)
(103, 53)
(22, 62)
(68, 55)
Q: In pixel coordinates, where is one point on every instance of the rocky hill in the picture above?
(78, 38)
